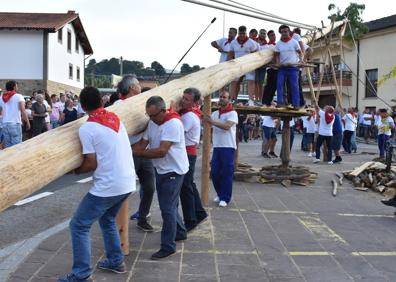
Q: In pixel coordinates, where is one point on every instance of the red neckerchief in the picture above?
(242, 42)
(312, 116)
(8, 95)
(286, 40)
(227, 109)
(329, 117)
(353, 115)
(170, 114)
(105, 118)
(272, 42)
(261, 41)
(253, 38)
(196, 110)
(229, 40)
(123, 97)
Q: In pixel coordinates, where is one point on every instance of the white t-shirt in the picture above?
(115, 173)
(134, 138)
(11, 112)
(288, 51)
(385, 125)
(225, 138)
(366, 122)
(192, 128)
(47, 106)
(297, 37)
(310, 125)
(350, 122)
(223, 43)
(249, 46)
(176, 159)
(325, 129)
(268, 121)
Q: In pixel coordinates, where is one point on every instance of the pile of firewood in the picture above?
(372, 175)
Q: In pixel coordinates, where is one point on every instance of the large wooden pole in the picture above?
(27, 167)
(207, 138)
(122, 221)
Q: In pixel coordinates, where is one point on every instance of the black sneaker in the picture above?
(265, 155)
(272, 154)
(162, 254)
(145, 226)
(390, 202)
(106, 265)
(181, 239)
(337, 159)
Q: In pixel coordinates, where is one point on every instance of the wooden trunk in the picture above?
(27, 167)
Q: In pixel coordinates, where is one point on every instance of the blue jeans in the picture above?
(353, 141)
(94, 208)
(12, 133)
(382, 138)
(54, 124)
(193, 212)
(168, 191)
(291, 74)
(222, 171)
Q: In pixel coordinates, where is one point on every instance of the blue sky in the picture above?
(163, 30)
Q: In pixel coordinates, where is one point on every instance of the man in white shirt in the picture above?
(287, 56)
(224, 123)
(223, 44)
(12, 107)
(128, 87)
(350, 120)
(269, 137)
(272, 73)
(385, 124)
(242, 46)
(164, 137)
(366, 123)
(106, 151)
(193, 211)
(325, 130)
(310, 129)
(260, 72)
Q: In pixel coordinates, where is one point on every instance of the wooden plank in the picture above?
(19, 164)
(205, 168)
(360, 169)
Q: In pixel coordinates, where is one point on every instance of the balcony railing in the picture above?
(328, 78)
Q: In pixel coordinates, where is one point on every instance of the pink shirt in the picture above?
(55, 114)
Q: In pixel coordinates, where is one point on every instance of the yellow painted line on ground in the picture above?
(383, 254)
(210, 251)
(311, 253)
(320, 229)
(365, 215)
(273, 211)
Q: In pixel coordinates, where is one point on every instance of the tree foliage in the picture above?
(353, 13)
(158, 68)
(386, 77)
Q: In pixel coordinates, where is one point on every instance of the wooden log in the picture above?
(285, 149)
(360, 169)
(335, 187)
(205, 169)
(19, 164)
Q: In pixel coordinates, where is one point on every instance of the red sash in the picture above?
(227, 109)
(261, 41)
(242, 42)
(8, 95)
(286, 39)
(271, 42)
(229, 40)
(195, 110)
(329, 117)
(170, 114)
(105, 118)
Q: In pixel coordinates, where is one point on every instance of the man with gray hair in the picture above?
(163, 141)
(128, 87)
(193, 212)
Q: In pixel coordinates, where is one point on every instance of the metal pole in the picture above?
(121, 66)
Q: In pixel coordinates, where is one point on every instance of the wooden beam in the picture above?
(58, 151)
(205, 169)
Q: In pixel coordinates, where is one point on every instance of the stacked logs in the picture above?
(372, 175)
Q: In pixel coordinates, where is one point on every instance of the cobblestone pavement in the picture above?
(267, 233)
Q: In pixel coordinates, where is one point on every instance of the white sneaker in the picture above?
(216, 200)
(313, 154)
(222, 204)
(316, 161)
(330, 162)
(251, 102)
(310, 155)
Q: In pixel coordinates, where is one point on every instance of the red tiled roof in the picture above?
(50, 22)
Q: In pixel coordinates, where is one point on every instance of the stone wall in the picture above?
(56, 88)
(25, 86)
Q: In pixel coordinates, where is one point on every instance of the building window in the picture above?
(78, 74)
(60, 35)
(70, 71)
(371, 83)
(69, 44)
(76, 45)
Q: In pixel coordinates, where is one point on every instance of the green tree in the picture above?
(158, 68)
(185, 69)
(353, 13)
(195, 68)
